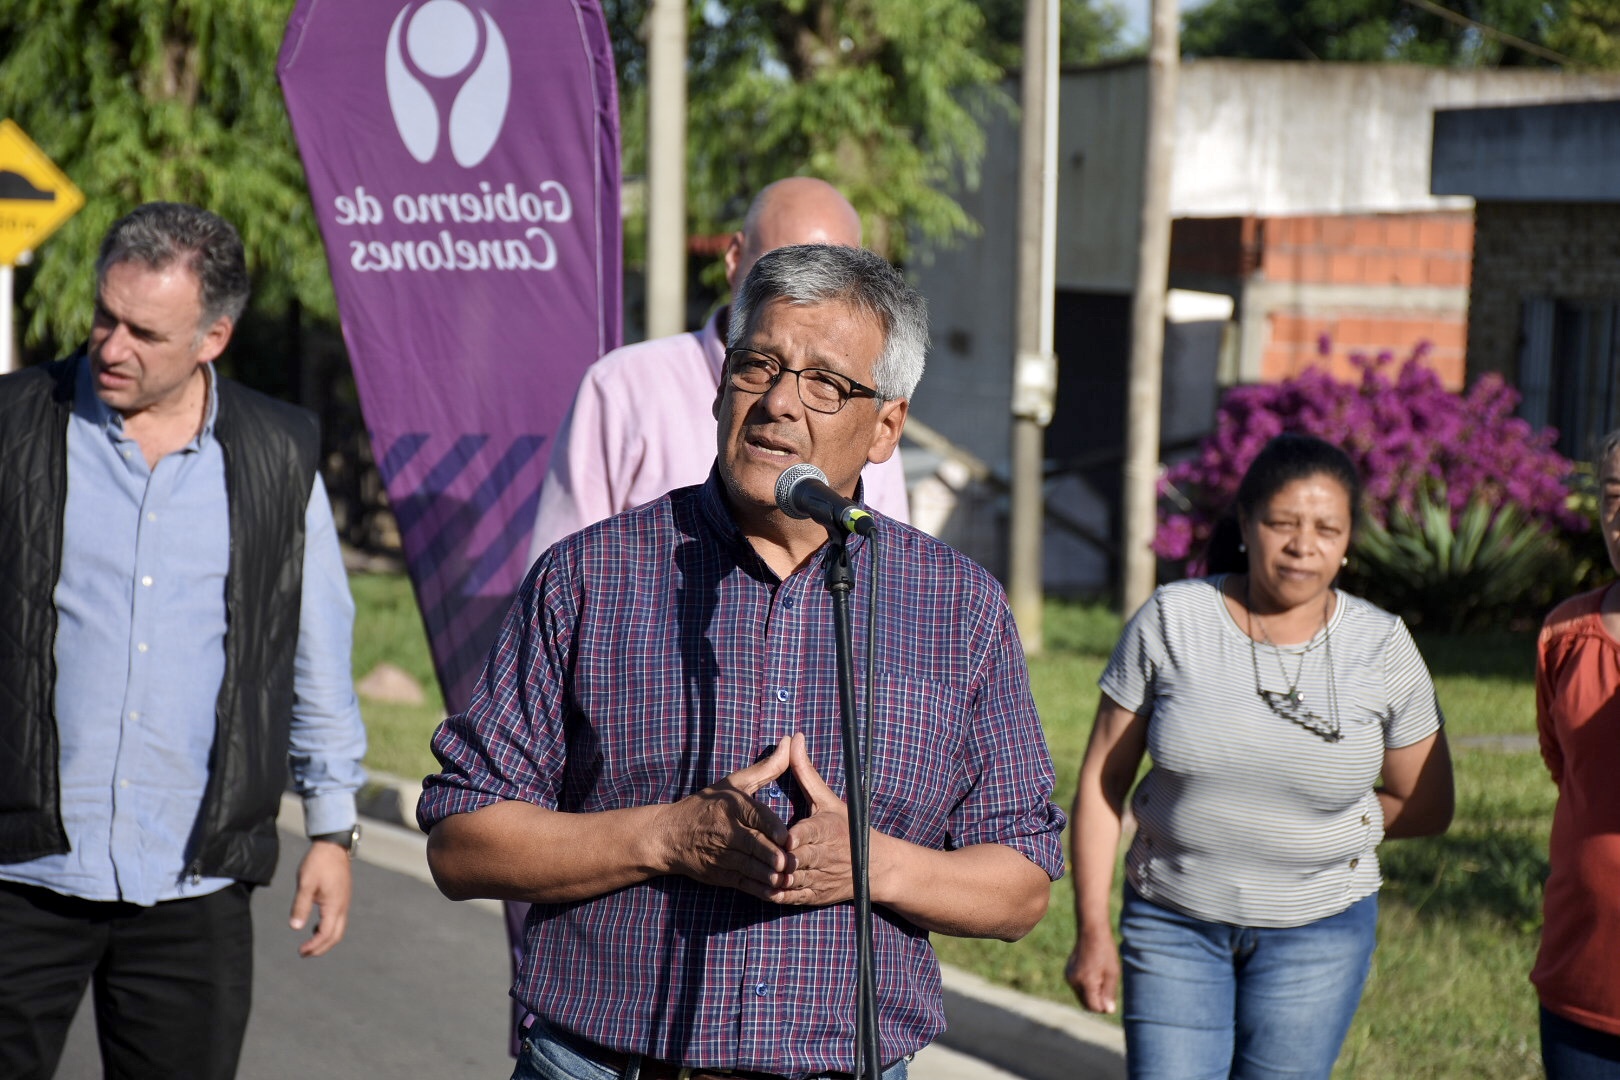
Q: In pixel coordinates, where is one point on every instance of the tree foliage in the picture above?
(883, 98)
(1370, 30)
(1467, 509)
(138, 101)
(1589, 34)
(1087, 32)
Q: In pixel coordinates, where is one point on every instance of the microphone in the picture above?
(802, 491)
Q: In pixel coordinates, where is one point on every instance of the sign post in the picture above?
(35, 199)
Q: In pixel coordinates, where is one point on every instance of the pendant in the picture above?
(1294, 698)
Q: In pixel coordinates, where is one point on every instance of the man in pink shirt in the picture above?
(641, 423)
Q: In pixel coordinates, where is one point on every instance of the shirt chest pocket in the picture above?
(1363, 712)
(918, 766)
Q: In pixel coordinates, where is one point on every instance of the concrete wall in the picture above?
(1260, 140)
(1278, 138)
(1361, 283)
(1272, 139)
(966, 391)
(1101, 118)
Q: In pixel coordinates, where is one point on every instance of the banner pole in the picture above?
(8, 359)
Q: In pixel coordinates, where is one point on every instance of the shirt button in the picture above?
(128, 454)
(147, 581)
(151, 517)
(788, 603)
(760, 990)
(782, 695)
(123, 783)
(1366, 819)
(135, 716)
(774, 791)
(1354, 863)
(141, 647)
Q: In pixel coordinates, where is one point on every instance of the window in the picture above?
(1569, 370)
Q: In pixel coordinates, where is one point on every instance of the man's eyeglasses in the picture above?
(820, 390)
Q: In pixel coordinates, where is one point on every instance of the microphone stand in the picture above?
(840, 580)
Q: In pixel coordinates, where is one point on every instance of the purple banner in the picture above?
(463, 161)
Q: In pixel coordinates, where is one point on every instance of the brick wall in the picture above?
(1369, 259)
(1295, 342)
(1368, 249)
(1564, 250)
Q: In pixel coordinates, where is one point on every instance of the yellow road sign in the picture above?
(35, 196)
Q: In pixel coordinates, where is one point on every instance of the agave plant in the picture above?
(1450, 570)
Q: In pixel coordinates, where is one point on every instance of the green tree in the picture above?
(138, 101)
(1087, 32)
(883, 98)
(1368, 30)
(1589, 34)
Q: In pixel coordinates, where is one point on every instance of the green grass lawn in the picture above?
(388, 627)
(1460, 914)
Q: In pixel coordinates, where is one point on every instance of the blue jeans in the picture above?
(545, 1056)
(1571, 1051)
(1208, 1001)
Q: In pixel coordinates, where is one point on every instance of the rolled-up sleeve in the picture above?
(509, 745)
(328, 737)
(1010, 800)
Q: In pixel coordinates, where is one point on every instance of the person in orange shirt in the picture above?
(1578, 719)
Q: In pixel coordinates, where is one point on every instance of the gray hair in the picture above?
(818, 273)
(160, 234)
(1606, 449)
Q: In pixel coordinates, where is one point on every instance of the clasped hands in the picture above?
(723, 836)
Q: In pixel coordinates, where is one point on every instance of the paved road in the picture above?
(418, 988)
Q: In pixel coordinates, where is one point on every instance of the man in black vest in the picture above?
(176, 629)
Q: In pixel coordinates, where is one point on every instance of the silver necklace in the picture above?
(1291, 705)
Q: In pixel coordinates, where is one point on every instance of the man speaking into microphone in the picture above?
(653, 755)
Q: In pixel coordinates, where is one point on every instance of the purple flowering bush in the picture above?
(1418, 448)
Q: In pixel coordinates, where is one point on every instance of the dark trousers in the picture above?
(172, 983)
(1571, 1051)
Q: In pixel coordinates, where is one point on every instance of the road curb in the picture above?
(1026, 1036)
(388, 798)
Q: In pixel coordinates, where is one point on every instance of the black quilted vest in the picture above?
(271, 451)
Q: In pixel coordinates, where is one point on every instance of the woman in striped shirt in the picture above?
(1271, 704)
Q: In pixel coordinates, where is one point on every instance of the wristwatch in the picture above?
(348, 839)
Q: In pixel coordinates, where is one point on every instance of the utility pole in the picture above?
(1034, 365)
(666, 168)
(1147, 310)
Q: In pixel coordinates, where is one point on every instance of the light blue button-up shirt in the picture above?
(140, 652)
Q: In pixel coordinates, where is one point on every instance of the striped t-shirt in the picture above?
(1246, 817)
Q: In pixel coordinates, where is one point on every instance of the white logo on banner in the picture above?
(441, 42)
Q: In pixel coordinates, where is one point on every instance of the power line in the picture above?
(1492, 32)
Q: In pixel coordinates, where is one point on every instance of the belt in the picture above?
(649, 1069)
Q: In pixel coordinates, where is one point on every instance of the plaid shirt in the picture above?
(655, 653)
